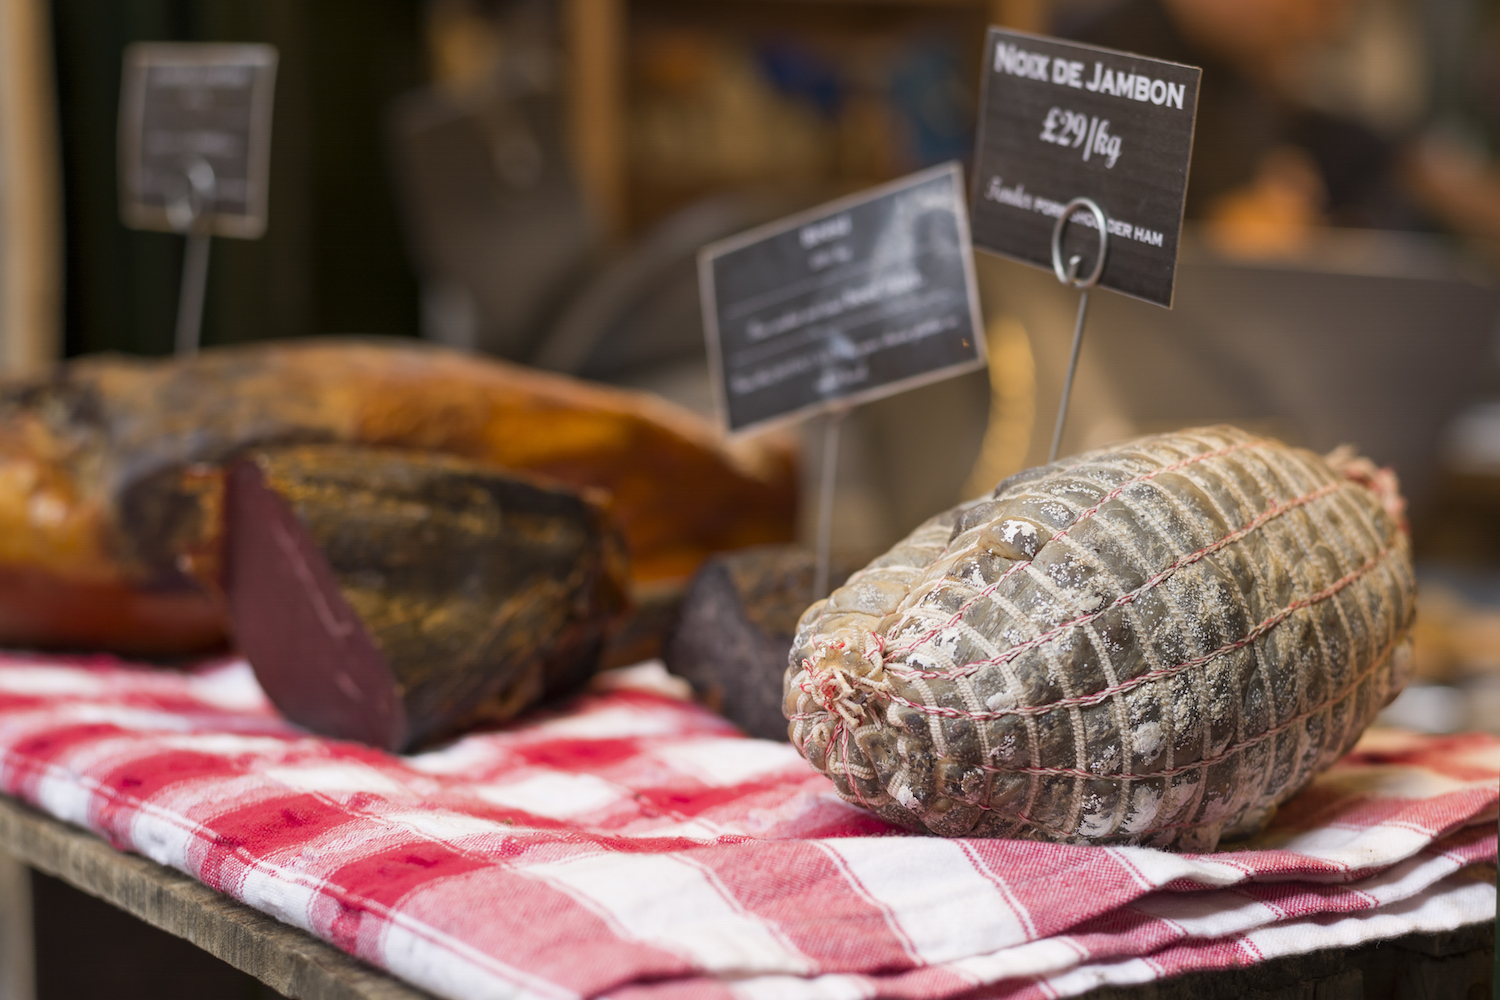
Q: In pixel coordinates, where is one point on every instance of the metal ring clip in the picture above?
(190, 203)
(1069, 275)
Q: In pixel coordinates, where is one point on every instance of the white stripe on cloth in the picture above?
(1215, 914)
(618, 722)
(834, 986)
(937, 900)
(1036, 958)
(673, 904)
(53, 681)
(728, 760)
(554, 794)
(227, 745)
(457, 830)
(1154, 869)
(448, 972)
(1063, 970)
(471, 757)
(330, 777)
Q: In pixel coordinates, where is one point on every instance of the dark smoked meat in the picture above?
(735, 629)
(1156, 643)
(385, 596)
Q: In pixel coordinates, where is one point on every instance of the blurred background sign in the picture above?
(333, 258)
(195, 152)
(182, 105)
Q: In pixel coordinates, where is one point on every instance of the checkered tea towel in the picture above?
(632, 844)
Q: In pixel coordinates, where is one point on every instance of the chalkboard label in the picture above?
(857, 299)
(183, 105)
(1060, 121)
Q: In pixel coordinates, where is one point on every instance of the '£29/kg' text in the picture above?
(1090, 133)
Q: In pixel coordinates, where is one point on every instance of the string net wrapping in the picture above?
(1155, 643)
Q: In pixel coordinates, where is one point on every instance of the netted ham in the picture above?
(1155, 643)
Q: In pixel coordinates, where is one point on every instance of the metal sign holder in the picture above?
(195, 153)
(826, 480)
(191, 213)
(1069, 276)
(827, 253)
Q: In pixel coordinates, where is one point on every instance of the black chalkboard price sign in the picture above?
(857, 299)
(1060, 121)
(195, 137)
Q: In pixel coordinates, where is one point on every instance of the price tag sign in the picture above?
(857, 299)
(1060, 121)
(184, 106)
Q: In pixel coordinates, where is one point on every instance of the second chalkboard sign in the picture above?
(857, 299)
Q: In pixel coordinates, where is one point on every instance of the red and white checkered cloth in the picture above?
(634, 845)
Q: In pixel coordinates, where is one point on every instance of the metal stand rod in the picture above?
(190, 298)
(826, 483)
(1062, 407)
(1069, 276)
(190, 212)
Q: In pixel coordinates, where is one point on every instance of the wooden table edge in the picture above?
(283, 957)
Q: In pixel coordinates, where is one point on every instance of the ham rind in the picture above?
(1155, 643)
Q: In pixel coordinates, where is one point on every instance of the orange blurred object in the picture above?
(99, 524)
(1275, 213)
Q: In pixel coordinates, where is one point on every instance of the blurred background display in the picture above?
(333, 259)
(531, 179)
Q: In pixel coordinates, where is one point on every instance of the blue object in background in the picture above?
(927, 90)
(800, 72)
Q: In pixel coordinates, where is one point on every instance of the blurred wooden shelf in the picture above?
(596, 37)
(30, 199)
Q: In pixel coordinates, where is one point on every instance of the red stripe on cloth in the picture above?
(1040, 876)
(922, 984)
(34, 757)
(237, 838)
(810, 895)
(384, 877)
(120, 791)
(693, 799)
(579, 755)
(696, 988)
(1420, 814)
(540, 929)
(1457, 757)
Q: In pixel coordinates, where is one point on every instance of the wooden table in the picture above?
(296, 964)
(288, 960)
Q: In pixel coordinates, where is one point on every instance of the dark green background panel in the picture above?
(332, 259)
